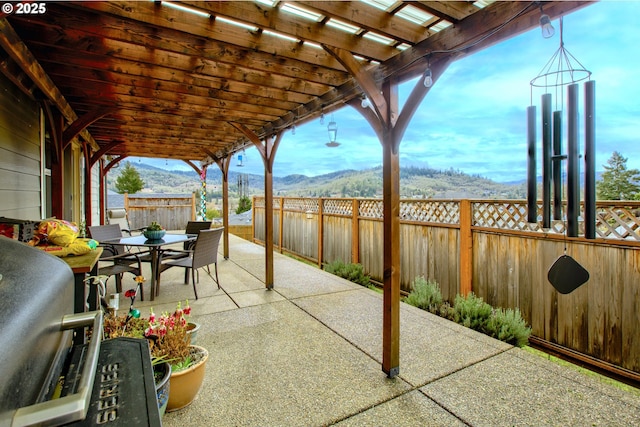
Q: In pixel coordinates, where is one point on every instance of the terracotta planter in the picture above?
(163, 372)
(185, 384)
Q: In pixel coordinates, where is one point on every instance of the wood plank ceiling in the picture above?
(170, 82)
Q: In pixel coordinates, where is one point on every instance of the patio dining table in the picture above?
(155, 249)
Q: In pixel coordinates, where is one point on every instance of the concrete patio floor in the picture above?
(309, 353)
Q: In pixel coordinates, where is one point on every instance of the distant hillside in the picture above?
(414, 183)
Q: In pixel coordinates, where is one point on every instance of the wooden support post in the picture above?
(281, 224)
(268, 153)
(355, 232)
(225, 204)
(193, 206)
(389, 124)
(87, 184)
(391, 232)
(320, 230)
(103, 187)
(253, 220)
(391, 273)
(126, 202)
(268, 227)
(466, 248)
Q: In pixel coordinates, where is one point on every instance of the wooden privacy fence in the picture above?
(488, 247)
(171, 211)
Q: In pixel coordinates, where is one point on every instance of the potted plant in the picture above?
(154, 231)
(170, 344)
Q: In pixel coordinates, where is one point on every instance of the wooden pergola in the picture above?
(200, 81)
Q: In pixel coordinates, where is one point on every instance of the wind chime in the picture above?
(562, 70)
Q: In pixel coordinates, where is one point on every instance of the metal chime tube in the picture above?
(590, 160)
(557, 165)
(532, 203)
(546, 160)
(573, 174)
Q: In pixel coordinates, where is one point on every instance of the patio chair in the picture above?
(204, 253)
(121, 260)
(193, 227)
(119, 216)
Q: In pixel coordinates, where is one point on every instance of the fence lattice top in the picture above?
(618, 220)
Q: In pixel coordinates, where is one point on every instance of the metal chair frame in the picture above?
(123, 260)
(204, 253)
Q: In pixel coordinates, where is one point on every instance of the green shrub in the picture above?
(425, 295)
(508, 326)
(213, 213)
(471, 311)
(352, 272)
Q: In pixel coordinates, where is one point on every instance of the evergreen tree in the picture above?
(244, 205)
(129, 180)
(618, 182)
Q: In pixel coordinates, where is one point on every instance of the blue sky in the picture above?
(473, 119)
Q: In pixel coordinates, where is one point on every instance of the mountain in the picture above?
(414, 183)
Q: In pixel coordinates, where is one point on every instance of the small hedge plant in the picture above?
(471, 311)
(350, 271)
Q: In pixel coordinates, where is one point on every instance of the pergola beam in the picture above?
(18, 51)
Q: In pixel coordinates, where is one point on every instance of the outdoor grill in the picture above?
(47, 381)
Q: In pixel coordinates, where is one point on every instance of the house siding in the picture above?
(20, 183)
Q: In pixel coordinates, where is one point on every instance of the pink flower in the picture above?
(162, 330)
(152, 317)
(187, 310)
(149, 331)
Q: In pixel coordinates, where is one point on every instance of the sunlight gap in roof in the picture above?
(481, 4)
(379, 38)
(281, 36)
(301, 12)
(186, 9)
(270, 3)
(413, 14)
(385, 5)
(440, 26)
(312, 44)
(343, 26)
(237, 23)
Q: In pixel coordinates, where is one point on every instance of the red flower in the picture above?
(131, 293)
(162, 330)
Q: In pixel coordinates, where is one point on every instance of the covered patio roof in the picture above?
(187, 80)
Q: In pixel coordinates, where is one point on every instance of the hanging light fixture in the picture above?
(545, 24)
(428, 75)
(428, 78)
(332, 128)
(365, 102)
